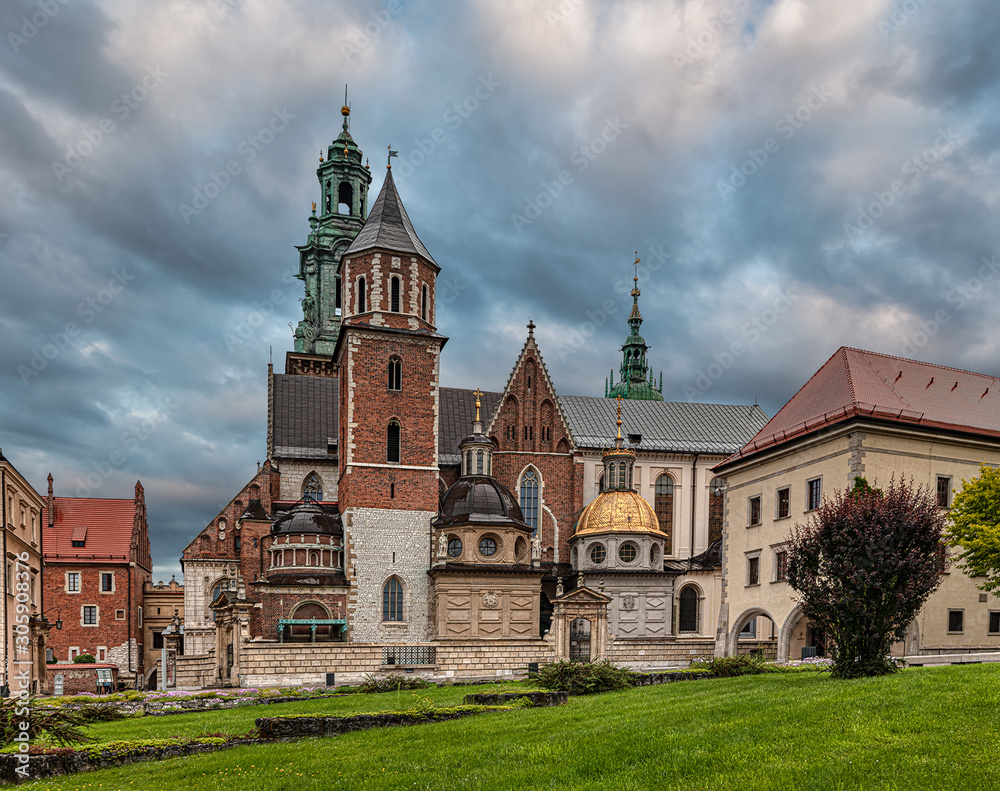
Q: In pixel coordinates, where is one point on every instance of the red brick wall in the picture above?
(67, 606)
(77, 678)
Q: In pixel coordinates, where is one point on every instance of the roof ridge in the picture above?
(920, 362)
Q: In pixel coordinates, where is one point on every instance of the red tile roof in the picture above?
(108, 526)
(856, 383)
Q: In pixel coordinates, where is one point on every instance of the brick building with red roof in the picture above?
(97, 559)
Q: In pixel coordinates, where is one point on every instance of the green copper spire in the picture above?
(343, 181)
(636, 382)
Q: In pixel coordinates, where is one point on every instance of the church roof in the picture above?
(664, 426)
(388, 226)
(456, 413)
(856, 383)
(305, 416)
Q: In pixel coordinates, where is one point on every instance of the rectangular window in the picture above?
(157, 640)
(107, 582)
(102, 653)
(943, 491)
(237, 542)
(753, 510)
(72, 582)
(994, 627)
(753, 570)
(89, 616)
(781, 565)
(140, 616)
(783, 503)
(74, 651)
(814, 494)
(956, 621)
(119, 615)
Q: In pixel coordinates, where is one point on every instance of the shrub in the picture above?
(62, 725)
(391, 683)
(729, 666)
(84, 659)
(100, 712)
(580, 678)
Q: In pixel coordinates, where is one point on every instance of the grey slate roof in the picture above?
(388, 226)
(305, 416)
(668, 426)
(457, 411)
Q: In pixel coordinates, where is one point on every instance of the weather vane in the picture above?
(636, 265)
(391, 155)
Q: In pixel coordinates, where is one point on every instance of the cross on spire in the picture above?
(478, 394)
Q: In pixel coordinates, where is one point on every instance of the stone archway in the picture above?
(786, 635)
(732, 643)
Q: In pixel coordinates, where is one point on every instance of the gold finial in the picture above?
(636, 265)
(321, 155)
(478, 394)
(314, 207)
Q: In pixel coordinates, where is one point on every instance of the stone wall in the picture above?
(193, 672)
(657, 653)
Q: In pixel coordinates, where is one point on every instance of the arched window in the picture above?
(529, 499)
(392, 601)
(687, 611)
(392, 441)
(423, 302)
(345, 198)
(716, 496)
(362, 297)
(663, 504)
(394, 294)
(479, 462)
(312, 487)
(328, 203)
(395, 373)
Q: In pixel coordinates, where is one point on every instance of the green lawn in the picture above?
(932, 728)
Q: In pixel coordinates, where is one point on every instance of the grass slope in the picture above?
(934, 728)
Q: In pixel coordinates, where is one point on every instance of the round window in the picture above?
(597, 554)
(454, 547)
(487, 546)
(627, 553)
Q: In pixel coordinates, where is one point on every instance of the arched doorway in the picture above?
(754, 632)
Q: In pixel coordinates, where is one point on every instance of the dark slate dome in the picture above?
(307, 517)
(479, 499)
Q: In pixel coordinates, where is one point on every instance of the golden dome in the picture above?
(618, 511)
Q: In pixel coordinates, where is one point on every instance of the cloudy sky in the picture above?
(796, 175)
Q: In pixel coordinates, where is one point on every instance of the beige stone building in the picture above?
(24, 628)
(877, 417)
(160, 603)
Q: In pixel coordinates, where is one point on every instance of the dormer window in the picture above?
(79, 537)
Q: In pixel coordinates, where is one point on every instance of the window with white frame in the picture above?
(88, 616)
(102, 653)
(73, 652)
(107, 582)
(72, 582)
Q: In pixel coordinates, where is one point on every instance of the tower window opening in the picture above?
(362, 297)
(337, 300)
(395, 373)
(394, 295)
(479, 462)
(328, 200)
(423, 302)
(392, 442)
(345, 198)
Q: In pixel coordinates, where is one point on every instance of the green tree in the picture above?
(975, 527)
(863, 567)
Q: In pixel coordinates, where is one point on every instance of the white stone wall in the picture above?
(387, 543)
(293, 475)
(199, 628)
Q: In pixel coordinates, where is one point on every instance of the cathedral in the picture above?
(452, 532)
(398, 525)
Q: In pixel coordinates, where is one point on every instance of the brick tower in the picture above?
(388, 355)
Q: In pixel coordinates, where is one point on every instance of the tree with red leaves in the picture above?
(863, 567)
